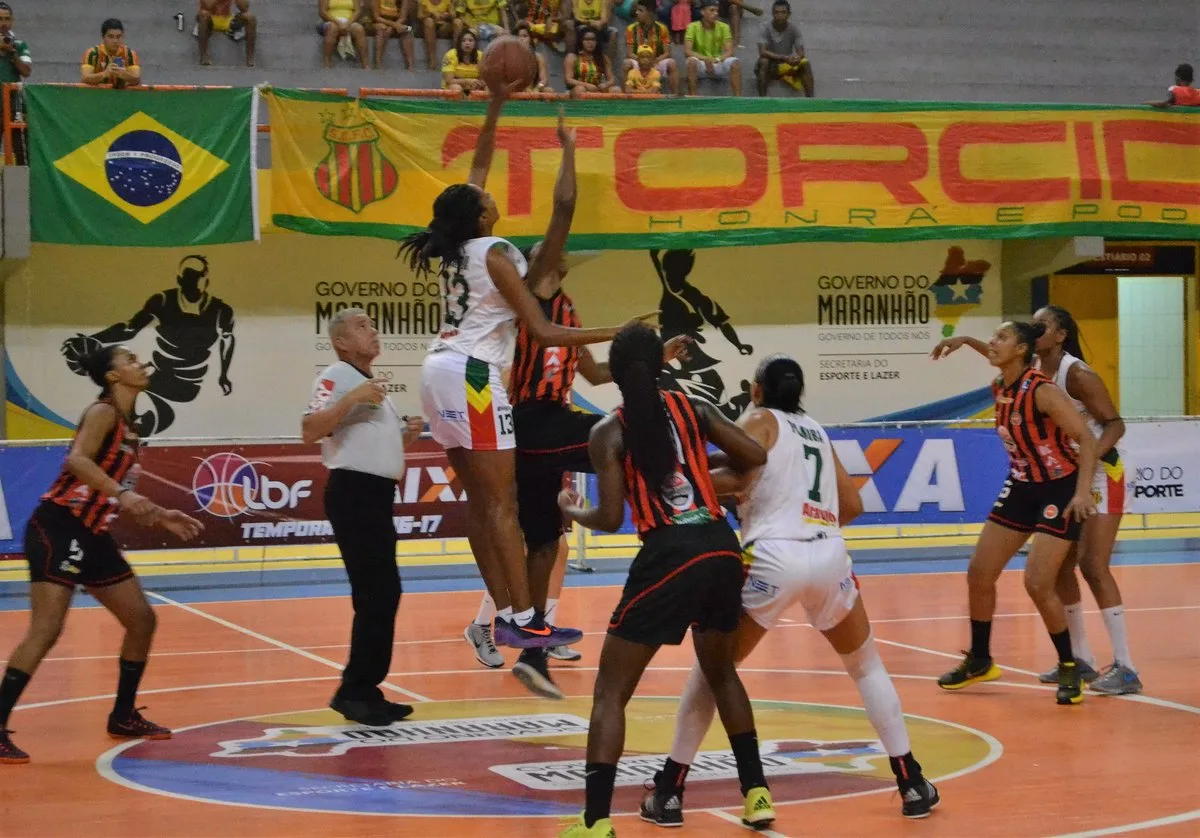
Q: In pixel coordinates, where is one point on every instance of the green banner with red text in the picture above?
(723, 172)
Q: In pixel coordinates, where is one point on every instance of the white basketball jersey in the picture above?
(477, 320)
(795, 495)
(1060, 378)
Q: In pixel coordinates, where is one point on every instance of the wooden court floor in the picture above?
(256, 753)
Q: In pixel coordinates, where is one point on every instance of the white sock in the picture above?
(551, 610)
(696, 710)
(1114, 620)
(523, 618)
(879, 697)
(487, 610)
(1079, 642)
(505, 614)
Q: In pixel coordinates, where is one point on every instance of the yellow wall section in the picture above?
(1092, 300)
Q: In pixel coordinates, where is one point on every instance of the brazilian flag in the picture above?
(142, 168)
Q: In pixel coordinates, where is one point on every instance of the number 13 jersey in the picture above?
(476, 319)
(795, 494)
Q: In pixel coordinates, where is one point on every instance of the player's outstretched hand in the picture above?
(676, 349)
(179, 524)
(570, 503)
(946, 347)
(650, 319)
(566, 135)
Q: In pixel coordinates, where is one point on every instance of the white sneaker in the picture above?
(480, 638)
(563, 653)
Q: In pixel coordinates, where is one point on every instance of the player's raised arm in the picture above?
(565, 191)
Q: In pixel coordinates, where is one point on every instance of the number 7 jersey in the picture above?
(477, 321)
(795, 494)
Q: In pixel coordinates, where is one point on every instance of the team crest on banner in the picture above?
(354, 173)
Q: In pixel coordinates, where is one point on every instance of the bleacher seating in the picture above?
(1015, 51)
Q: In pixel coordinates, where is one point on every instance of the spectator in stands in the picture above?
(389, 20)
(437, 21)
(342, 29)
(524, 34)
(588, 71)
(460, 65)
(1182, 92)
(15, 61)
(644, 77)
(595, 15)
(679, 15)
(781, 53)
(218, 16)
(545, 19)
(486, 18)
(111, 61)
(648, 31)
(708, 45)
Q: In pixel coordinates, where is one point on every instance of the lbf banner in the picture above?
(719, 172)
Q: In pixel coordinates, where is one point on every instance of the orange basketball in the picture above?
(507, 61)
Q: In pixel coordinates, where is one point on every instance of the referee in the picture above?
(362, 440)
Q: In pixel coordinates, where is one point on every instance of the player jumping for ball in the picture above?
(189, 322)
(484, 287)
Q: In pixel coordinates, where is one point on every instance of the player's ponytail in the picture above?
(1067, 323)
(456, 214)
(97, 365)
(1028, 334)
(635, 361)
(782, 383)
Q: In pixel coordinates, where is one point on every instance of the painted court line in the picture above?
(785, 623)
(1137, 827)
(272, 641)
(1137, 699)
(726, 816)
(228, 685)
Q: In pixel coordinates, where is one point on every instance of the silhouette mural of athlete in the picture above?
(189, 322)
(684, 311)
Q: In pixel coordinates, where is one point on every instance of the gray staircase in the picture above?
(980, 50)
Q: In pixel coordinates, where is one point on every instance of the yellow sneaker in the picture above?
(602, 828)
(759, 812)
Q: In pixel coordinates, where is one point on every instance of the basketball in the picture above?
(506, 62)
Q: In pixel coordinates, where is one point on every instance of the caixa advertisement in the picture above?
(272, 494)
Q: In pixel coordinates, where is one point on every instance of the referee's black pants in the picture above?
(359, 508)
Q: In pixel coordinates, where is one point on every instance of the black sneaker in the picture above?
(532, 669)
(10, 754)
(370, 713)
(398, 712)
(135, 726)
(971, 671)
(1070, 684)
(919, 798)
(662, 808)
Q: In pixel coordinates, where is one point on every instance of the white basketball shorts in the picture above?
(465, 403)
(816, 574)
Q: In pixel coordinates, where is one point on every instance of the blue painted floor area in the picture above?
(233, 586)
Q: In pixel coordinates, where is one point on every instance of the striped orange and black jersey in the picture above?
(117, 457)
(688, 495)
(1038, 449)
(545, 373)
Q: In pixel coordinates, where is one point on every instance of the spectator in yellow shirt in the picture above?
(437, 21)
(486, 18)
(391, 18)
(111, 62)
(341, 26)
(460, 66)
(644, 77)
